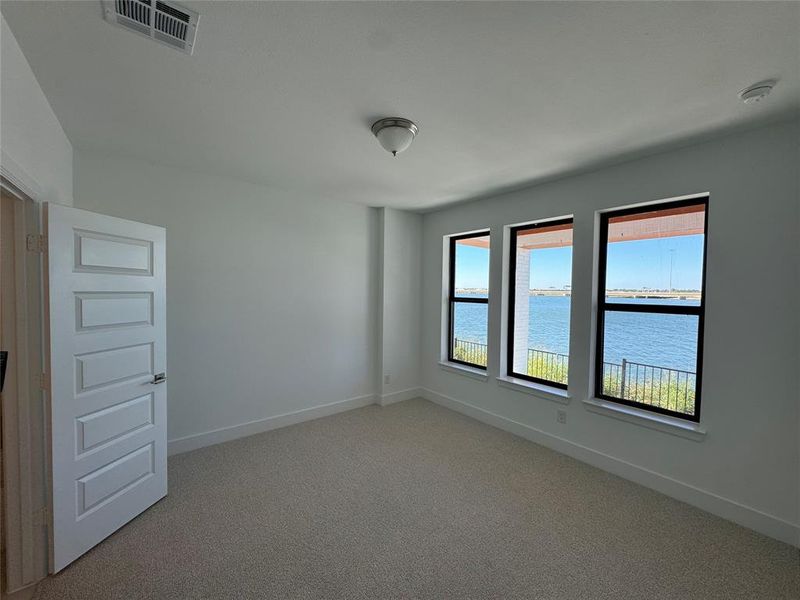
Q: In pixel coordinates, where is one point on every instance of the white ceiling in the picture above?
(504, 94)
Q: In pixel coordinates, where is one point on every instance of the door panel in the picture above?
(107, 324)
(105, 425)
(113, 309)
(106, 367)
(101, 253)
(105, 483)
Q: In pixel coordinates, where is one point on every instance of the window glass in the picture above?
(469, 332)
(472, 267)
(656, 255)
(540, 296)
(469, 299)
(651, 359)
(651, 307)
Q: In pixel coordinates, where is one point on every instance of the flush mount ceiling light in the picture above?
(395, 134)
(754, 93)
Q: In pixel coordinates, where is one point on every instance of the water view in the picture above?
(650, 256)
(648, 358)
(669, 341)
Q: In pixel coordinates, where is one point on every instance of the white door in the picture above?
(107, 351)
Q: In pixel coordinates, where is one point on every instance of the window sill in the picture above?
(479, 374)
(664, 423)
(535, 389)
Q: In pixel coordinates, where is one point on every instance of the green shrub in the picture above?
(471, 352)
(542, 367)
(662, 392)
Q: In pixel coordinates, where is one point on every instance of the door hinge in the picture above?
(42, 517)
(42, 381)
(36, 243)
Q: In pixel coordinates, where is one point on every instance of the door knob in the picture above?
(159, 378)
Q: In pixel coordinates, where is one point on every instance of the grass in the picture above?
(670, 395)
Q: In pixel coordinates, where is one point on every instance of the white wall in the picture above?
(271, 298)
(400, 304)
(747, 466)
(34, 146)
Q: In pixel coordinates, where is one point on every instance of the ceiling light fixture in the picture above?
(395, 134)
(757, 91)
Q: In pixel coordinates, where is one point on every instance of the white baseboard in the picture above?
(717, 505)
(226, 434)
(400, 396)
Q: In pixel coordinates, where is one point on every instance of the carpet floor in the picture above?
(416, 501)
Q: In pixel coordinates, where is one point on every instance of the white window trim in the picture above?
(647, 418)
(459, 369)
(539, 390)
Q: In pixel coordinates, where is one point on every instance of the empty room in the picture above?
(385, 299)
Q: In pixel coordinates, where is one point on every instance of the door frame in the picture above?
(24, 411)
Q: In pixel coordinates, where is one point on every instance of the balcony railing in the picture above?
(471, 352)
(671, 389)
(548, 365)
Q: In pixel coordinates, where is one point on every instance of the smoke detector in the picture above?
(757, 91)
(165, 22)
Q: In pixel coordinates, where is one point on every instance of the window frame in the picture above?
(452, 298)
(603, 306)
(512, 276)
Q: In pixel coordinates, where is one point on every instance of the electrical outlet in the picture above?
(387, 379)
(561, 417)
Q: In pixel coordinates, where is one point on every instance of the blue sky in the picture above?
(646, 263)
(631, 265)
(472, 267)
(551, 268)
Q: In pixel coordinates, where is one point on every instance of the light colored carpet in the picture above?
(416, 501)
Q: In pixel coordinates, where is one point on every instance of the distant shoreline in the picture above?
(673, 295)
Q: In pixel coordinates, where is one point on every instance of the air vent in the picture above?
(165, 22)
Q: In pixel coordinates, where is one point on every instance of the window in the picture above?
(540, 276)
(651, 306)
(469, 299)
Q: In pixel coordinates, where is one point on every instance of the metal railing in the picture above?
(551, 366)
(671, 389)
(471, 352)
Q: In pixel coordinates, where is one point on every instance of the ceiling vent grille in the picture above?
(166, 22)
